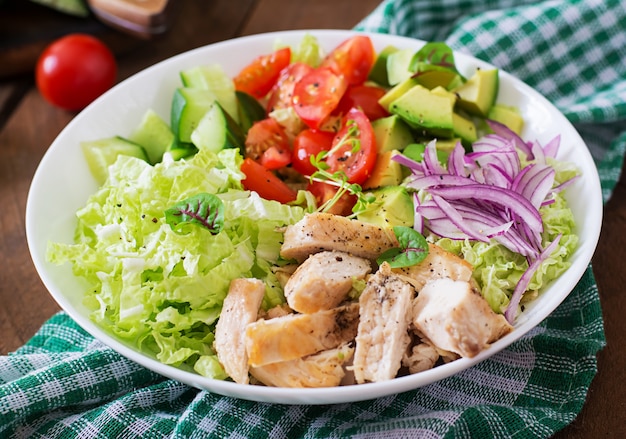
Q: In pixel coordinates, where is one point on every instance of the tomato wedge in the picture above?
(265, 183)
(258, 77)
(317, 94)
(282, 92)
(268, 143)
(364, 97)
(354, 147)
(354, 58)
(309, 143)
(324, 192)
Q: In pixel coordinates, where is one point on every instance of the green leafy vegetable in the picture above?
(340, 180)
(413, 248)
(433, 54)
(159, 289)
(204, 210)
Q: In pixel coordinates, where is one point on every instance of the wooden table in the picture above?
(28, 125)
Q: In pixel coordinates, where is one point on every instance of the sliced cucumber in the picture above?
(178, 153)
(378, 73)
(102, 153)
(217, 130)
(214, 79)
(250, 110)
(398, 63)
(155, 135)
(189, 105)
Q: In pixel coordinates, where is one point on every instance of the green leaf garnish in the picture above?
(413, 248)
(433, 54)
(203, 210)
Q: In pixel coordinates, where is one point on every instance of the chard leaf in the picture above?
(413, 248)
(203, 210)
(434, 55)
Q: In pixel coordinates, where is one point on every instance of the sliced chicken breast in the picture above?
(420, 357)
(324, 280)
(298, 335)
(240, 308)
(382, 338)
(438, 264)
(318, 232)
(454, 317)
(324, 369)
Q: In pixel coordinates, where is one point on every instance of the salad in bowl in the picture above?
(347, 214)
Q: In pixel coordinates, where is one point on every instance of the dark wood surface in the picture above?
(28, 125)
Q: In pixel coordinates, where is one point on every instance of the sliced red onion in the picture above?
(504, 131)
(511, 311)
(492, 194)
(551, 149)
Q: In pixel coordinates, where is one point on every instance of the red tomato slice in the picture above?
(275, 158)
(364, 97)
(258, 77)
(354, 58)
(306, 144)
(354, 147)
(324, 192)
(282, 92)
(317, 94)
(265, 183)
(266, 135)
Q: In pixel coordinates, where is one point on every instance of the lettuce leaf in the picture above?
(160, 289)
(497, 270)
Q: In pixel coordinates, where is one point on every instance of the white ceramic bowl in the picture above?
(62, 184)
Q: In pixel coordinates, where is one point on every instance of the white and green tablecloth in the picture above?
(64, 384)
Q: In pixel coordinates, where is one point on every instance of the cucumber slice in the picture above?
(189, 105)
(214, 79)
(102, 153)
(250, 110)
(398, 63)
(378, 73)
(178, 153)
(217, 130)
(154, 134)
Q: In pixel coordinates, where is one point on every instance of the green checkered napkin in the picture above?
(63, 383)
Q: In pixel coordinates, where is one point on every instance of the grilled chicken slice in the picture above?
(240, 308)
(324, 280)
(438, 264)
(317, 232)
(298, 335)
(454, 317)
(324, 369)
(421, 356)
(382, 338)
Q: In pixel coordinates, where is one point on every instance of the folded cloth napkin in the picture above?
(64, 383)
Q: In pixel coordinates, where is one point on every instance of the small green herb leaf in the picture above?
(204, 210)
(434, 54)
(413, 248)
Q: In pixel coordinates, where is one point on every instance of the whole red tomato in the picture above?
(74, 70)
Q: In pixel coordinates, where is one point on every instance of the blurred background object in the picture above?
(27, 27)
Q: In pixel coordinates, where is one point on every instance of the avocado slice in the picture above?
(387, 172)
(378, 73)
(393, 206)
(508, 116)
(479, 93)
(424, 109)
(391, 133)
(395, 92)
(435, 76)
(464, 128)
